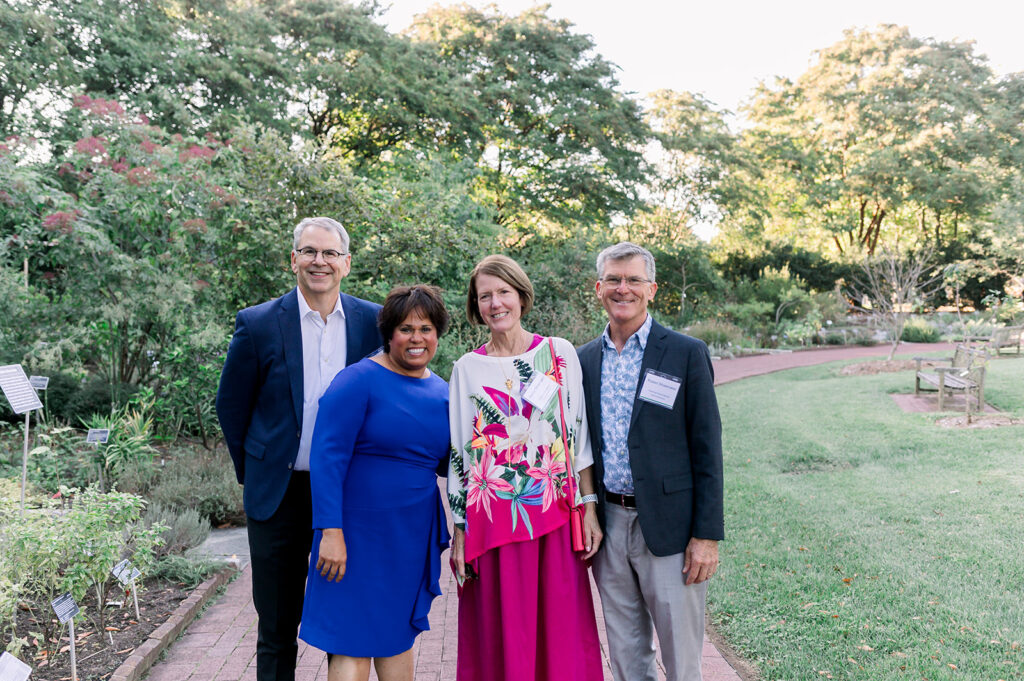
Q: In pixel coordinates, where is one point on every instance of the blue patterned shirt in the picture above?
(620, 373)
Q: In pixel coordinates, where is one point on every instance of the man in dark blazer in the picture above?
(656, 434)
(283, 356)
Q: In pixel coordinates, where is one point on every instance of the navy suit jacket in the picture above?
(675, 455)
(259, 401)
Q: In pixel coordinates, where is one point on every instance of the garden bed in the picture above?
(127, 647)
(98, 653)
(882, 366)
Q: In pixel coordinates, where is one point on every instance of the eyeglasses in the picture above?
(631, 282)
(309, 253)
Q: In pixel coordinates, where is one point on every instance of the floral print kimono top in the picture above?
(507, 477)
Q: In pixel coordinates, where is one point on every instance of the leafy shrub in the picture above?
(138, 478)
(95, 396)
(918, 330)
(866, 339)
(130, 429)
(716, 333)
(54, 552)
(62, 458)
(753, 316)
(191, 571)
(184, 527)
(203, 481)
(801, 331)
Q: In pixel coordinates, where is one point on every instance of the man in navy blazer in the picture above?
(656, 435)
(282, 358)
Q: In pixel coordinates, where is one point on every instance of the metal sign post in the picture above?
(23, 399)
(66, 609)
(97, 437)
(126, 574)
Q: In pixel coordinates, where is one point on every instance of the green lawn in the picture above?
(866, 543)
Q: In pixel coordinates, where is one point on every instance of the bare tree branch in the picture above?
(892, 285)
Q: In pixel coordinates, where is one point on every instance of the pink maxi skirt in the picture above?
(529, 616)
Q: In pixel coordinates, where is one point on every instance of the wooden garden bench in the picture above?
(1005, 337)
(965, 374)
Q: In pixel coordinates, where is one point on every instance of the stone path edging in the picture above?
(161, 638)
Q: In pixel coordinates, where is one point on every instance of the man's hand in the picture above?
(592, 534)
(459, 553)
(700, 560)
(333, 555)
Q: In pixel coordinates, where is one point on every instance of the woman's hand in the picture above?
(459, 553)
(592, 534)
(333, 554)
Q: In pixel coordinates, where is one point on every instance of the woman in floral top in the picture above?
(525, 606)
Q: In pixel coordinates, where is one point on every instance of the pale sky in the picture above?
(723, 49)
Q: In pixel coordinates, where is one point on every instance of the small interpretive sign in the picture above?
(39, 382)
(18, 391)
(13, 669)
(64, 607)
(125, 572)
(98, 436)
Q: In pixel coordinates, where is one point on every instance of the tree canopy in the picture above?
(887, 137)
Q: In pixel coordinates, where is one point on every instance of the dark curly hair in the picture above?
(403, 301)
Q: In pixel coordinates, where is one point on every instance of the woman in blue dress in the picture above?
(381, 438)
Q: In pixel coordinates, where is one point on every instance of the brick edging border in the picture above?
(143, 657)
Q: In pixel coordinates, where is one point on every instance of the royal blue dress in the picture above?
(379, 442)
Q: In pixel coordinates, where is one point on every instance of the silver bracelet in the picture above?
(589, 499)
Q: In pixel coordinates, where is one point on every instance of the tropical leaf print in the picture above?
(490, 413)
(542, 359)
(524, 369)
(457, 464)
(506, 404)
(532, 495)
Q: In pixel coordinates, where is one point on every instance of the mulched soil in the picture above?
(979, 421)
(882, 366)
(98, 653)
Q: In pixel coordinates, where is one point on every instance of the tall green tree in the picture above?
(34, 65)
(364, 90)
(886, 137)
(701, 171)
(556, 139)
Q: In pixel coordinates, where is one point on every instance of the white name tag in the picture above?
(540, 390)
(660, 389)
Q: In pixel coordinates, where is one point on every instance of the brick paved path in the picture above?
(221, 645)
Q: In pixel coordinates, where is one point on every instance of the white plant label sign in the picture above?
(65, 607)
(125, 572)
(18, 391)
(13, 669)
(39, 382)
(98, 435)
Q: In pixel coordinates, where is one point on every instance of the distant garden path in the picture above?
(729, 370)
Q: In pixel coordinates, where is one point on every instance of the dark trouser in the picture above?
(279, 547)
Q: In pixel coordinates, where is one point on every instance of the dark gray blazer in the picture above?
(259, 402)
(675, 454)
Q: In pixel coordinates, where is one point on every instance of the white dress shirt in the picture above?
(324, 348)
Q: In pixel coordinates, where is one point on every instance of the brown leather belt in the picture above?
(623, 500)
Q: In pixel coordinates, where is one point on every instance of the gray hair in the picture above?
(623, 251)
(323, 223)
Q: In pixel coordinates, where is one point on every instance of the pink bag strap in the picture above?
(571, 472)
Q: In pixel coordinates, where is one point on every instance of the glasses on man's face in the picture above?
(631, 282)
(309, 253)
